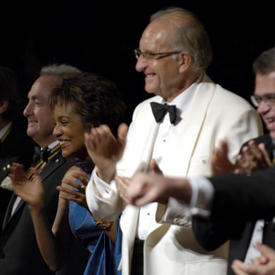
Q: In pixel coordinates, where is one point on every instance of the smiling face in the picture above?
(265, 84)
(69, 130)
(38, 112)
(162, 75)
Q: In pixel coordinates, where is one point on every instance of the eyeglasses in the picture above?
(150, 55)
(268, 99)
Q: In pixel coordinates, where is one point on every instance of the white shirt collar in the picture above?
(53, 144)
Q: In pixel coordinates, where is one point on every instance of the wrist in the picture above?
(36, 208)
(182, 190)
(107, 175)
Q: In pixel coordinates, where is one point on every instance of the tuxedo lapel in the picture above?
(139, 147)
(190, 132)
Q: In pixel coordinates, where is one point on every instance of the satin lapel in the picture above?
(190, 132)
(139, 148)
(128, 221)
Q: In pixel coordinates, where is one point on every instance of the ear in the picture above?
(185, 61)
(3, 106)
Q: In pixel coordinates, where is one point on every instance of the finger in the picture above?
(145, 197)
(122, 130)
(74, 181)
(68, 189)
(255, 151)
(266, 250)
(265, 154)
(261, 260)
(122, 184)
(241, 268)
(154, 167)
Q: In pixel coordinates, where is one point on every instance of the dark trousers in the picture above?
(137, 259)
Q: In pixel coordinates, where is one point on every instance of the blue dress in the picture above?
(105, 255)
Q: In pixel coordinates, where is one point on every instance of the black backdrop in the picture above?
(99, 36)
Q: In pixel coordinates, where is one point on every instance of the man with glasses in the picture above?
(176, 132)
(235, 202)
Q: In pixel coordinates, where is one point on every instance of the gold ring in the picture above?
(82, 187)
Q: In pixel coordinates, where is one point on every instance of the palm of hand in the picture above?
(254, 157)
(31, 191)
(104, 149)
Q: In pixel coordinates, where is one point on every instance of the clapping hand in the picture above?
(264, 265)
(73, 186)
(123, 182)
(254, 157)
(29, 188)
(105, 149)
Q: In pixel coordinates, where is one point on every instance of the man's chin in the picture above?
(31, 133)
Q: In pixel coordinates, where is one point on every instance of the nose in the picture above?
(57, 131)
(28, 110)
(141, 64)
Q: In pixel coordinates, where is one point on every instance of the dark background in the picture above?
(100, 37)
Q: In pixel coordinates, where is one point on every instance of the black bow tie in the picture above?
(159, 111)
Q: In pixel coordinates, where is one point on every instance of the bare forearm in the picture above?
(46, 241)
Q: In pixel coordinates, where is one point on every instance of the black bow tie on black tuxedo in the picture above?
(159, 111)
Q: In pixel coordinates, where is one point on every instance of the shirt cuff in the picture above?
(107, 190)
(202, 196)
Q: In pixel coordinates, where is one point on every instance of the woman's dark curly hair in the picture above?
(96, 99)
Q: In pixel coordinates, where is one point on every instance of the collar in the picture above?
(49, 152)
(183, 100)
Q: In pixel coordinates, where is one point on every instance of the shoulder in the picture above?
(230, 99)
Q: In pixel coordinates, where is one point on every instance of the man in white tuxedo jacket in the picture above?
(174, 54)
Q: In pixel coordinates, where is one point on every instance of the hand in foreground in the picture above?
(144, 188)
(73, 186)
(123, 182)
(30, 190)
(105, 150)
(220, 163)
(264, 265)
(254, 157)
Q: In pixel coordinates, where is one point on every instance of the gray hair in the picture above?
(265, 62)
(190, 35)
(62, 70)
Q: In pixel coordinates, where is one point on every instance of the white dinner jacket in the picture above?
(214, 114)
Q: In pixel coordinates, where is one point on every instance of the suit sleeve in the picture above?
(244, 197)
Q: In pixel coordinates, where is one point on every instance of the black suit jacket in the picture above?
(19, 253)
(238, 202)
(17, 147)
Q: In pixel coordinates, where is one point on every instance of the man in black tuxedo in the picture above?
(15, 145)
(236, 202)
(19, 252)
(242, 234)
